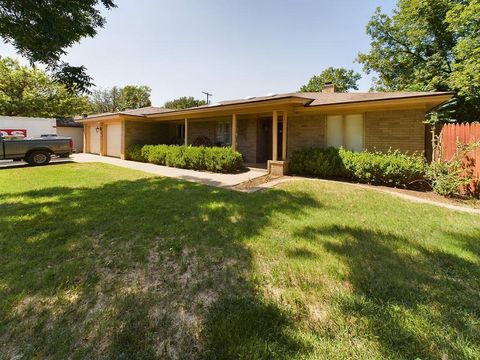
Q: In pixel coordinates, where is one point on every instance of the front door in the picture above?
(265, 139)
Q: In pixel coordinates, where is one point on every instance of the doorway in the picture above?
(265, 139)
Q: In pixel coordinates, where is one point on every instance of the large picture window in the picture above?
(181, 131)
(223, 134)
(346, 131)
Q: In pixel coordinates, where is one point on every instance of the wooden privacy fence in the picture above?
(465, 134)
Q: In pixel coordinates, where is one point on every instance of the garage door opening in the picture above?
(114, 140)
(95, 135)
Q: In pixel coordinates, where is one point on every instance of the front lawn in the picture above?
(103, 262)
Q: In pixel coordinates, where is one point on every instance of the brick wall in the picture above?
(201, 128)
(399, 129)
(305, 131)
(145, 133)
(247, 138)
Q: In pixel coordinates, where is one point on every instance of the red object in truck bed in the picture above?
(15, 132)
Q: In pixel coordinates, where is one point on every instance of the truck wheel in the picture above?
(38, 158)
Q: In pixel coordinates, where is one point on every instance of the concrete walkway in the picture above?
(407, 197)
(203, 177)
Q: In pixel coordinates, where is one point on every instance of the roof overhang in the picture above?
(424, 102)
(267, 105)
(109, 117)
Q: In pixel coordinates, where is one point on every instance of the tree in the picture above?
(29, 91)
(343, 79)
(184, 102)
(429, 45)
(41, 31)
(119, 99)
(134, 97)
(105, 100)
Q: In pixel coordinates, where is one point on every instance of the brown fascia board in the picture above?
(448, 95)
(451, 96)
(233, 106)
(107, 117)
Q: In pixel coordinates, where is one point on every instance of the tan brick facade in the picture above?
(402, 129)
(305, 131)
(201, 128)
(145, 133)
(247, 138)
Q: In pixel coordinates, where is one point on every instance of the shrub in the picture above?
(134, 152)
(213, 159)
(446, 178)
(154, 154)
(325, 163)
(454, 177)
(222, 159)
(391, 168)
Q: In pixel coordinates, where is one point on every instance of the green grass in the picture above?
(102, 262)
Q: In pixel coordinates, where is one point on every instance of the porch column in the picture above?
(86, 138)
(284, 136)
(234, 131)
(275, 136)
(103, 139)
(122, 145)
(186, 132)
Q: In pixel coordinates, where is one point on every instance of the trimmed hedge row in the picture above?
(215, 159)
(392, 169)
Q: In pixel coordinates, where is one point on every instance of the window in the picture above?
(181, 131)
(346, 131)
(223, 134)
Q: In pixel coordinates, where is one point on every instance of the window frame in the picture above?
(221, 135)
(344, 116)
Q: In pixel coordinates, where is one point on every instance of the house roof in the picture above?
(321, 98)
(132, 112)
(341, 98)
(67, 123)
(308, 100)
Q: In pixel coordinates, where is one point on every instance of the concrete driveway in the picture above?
(203, 177)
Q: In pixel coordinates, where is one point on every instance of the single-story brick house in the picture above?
(269, 128)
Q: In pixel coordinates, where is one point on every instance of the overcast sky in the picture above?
(232, 49)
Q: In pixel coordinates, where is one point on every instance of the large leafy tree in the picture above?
(134, 97)
(184, 102)
(105, 100)
(343, 79)
(428, 45)
(42, 30)
(119, 99)
(29, 91)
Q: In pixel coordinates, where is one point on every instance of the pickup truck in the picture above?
(35, 151)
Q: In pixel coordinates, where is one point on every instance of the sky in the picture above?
(232, 49)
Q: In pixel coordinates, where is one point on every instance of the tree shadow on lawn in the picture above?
(138, 269)
(418, 302)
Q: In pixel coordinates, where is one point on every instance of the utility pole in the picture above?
(208, 96)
